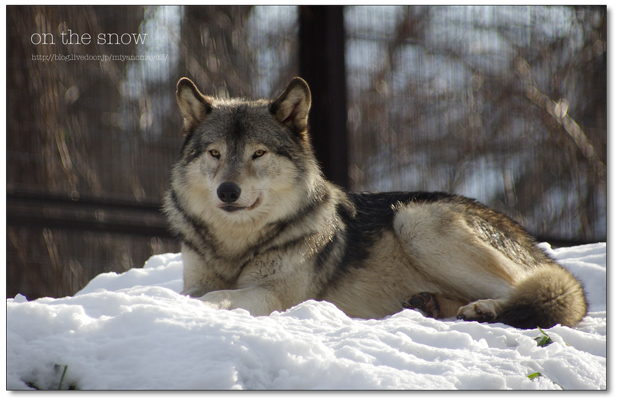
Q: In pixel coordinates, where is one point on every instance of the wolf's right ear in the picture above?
(291, 107)
(194, 106)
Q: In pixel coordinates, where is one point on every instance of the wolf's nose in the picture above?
(228, 192)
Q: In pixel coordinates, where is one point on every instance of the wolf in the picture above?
(263, 230)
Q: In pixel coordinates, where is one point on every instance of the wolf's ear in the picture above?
(194, 106)
(292, 106)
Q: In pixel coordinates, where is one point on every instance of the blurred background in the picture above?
(507, 105)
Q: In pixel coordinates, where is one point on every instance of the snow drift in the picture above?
(133, 331)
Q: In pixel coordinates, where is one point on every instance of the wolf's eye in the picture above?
(215, 153)
(258, 154)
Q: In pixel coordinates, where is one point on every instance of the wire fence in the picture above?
(503, 104)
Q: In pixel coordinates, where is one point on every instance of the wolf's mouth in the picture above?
(235, 208)
(232, 208)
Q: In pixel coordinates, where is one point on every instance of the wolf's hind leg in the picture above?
(425, 302)
(433, 305)
(548, 296)
(447, 252)
(481, 310)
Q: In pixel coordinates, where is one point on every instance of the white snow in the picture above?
(133, 331)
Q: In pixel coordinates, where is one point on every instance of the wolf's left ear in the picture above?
(194, 106)
(291, 107)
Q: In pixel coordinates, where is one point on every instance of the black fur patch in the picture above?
(368, 217)
(238, 127)
(200, 229)
(323, 256)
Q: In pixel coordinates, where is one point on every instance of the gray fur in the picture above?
(261, 229)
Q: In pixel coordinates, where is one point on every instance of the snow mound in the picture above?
(133, 331)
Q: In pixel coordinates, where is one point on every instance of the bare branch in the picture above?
(559, 111)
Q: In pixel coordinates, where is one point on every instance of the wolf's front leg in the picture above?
(257, 300)
(199, 277)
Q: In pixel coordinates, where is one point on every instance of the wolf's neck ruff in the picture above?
(261, 229)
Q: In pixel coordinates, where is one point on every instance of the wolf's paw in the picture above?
(425, 302)
(194, 292)
(481, 311)
(217, 299)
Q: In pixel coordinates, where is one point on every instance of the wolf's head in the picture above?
(245, 160)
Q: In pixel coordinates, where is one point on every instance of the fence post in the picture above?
(322, 65)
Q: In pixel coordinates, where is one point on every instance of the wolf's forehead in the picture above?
(242, 123)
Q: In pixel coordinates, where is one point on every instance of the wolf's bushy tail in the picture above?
(550, 295)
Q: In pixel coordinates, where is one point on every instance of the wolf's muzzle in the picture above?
(228, 192)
